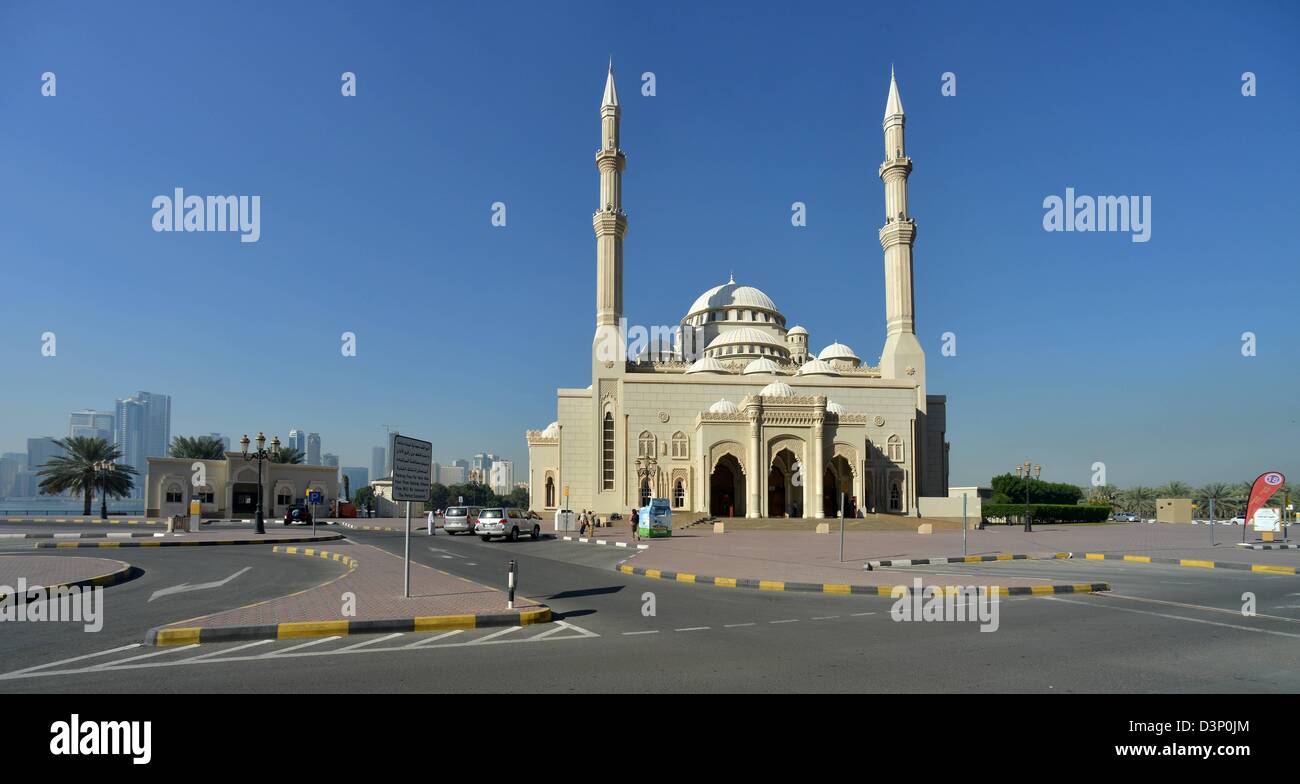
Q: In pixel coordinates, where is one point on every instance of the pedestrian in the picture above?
(582, 520)
(634, 516)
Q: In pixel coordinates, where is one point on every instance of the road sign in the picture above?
(412, 464)
(315, 497)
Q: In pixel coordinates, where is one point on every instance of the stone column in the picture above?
(818, 449)
(754, 473)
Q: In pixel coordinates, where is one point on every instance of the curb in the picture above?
(127, 572)
(956, 559)
(108, 535)
(1274, 546)
(589, 540)
(1264, 568)
(845, 588)
(82, 520)
(191, 542)
(186, 635)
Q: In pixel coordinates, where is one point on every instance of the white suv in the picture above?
(506, 522)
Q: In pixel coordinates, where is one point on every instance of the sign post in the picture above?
(314, 496)
(963, 524)
(412, 470)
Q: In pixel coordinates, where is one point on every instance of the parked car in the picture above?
(460, 519)
(1238, 520)
(297, 513)
(1127, 517)
(507, 522)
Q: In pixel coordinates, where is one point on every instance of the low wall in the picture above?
(948, 508)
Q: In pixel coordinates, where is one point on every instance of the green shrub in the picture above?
(1046, 513)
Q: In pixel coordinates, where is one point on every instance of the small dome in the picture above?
(724, 406)
(762, 366)
(816, 367)
(552, 430)
(797, 330)
(835, 408)
(838, 351)
(777, 389)
(707, 365)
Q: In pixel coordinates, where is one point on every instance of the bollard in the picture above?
(510, 584)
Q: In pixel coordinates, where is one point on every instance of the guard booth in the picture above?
(655, 519)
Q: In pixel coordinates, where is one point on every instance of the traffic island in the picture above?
(45, 573)
(1195, 563)
(365, 598)
(202, 539)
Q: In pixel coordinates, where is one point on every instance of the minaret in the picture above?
(902, 357)
(610, 222)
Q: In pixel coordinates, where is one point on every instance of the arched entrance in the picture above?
(837, 479)
(727, 488)
(784, 498)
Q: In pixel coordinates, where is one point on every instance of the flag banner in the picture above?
(1265, 486)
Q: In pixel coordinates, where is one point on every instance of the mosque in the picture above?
(737, 417)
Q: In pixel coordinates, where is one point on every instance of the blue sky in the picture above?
(1071, 347)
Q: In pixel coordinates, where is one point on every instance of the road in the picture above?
(1162, 629)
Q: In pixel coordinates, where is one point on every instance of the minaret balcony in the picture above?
(611, 156)
(893, 164)
(898, 232)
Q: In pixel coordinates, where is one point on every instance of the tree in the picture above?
(1010, 489)
(1104, 495)
(1139, 500)
(364, 497)
(197, 448)
(1175, 489)
(288, 454)
(1223, 495)
(347, 495)
(77, 470)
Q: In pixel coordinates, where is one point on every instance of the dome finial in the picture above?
(731, 278)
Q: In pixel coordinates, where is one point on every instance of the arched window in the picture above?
(645, 492)
(681, 447)
(646, 444)
(895, 447)
(679, 494)
(607, 456)
(895, 496)
(550, 492)
(175, 494)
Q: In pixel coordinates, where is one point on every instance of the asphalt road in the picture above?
(1162, 629)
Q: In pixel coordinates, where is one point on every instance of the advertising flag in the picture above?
(1265, 486)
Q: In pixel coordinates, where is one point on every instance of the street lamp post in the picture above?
(1028, 471)
(102, 467)
(261, 455)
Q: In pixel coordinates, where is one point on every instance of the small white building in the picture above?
(228, 488)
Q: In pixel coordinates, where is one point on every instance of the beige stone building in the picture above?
(230, 489)
(732, 413)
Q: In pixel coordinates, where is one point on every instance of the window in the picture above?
(174, 495)
(645, 492)
(679, 494)
(895, 448)
(283, 496)
(681, 447)
(206, 497)
(550, 493)
(895, 497)
(608, 452)
(646, 445)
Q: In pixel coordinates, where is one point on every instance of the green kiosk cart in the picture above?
(655, 519)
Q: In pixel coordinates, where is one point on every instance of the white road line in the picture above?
(1175, 617)
(303, 645)
(631, 634)
(364, 643)
(735, 625)
(826, 617)
(859, 615)
(252, 644)
(1197, 607)
(107, 665)
(73, 659)
(494, 635)
(788, 620)
(692, 629)
(434, 638)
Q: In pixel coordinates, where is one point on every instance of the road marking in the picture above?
(735, 625)
(364, 643)
(1175, 617)
(790, 620)
(184, 588)
(1199, 607)
(107, 665)
(692, 629)
(495, 635)
(630, 634)
(302, 645)
(826, 618)
(434, 638)
(859, 615)
(252, 644)
(449, 554)
(73, 659)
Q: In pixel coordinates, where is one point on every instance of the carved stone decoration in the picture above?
(663, 416)
(879, 420)
(911, 371)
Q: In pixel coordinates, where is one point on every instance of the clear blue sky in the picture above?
(376, 212)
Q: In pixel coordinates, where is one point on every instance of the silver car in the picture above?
(507, 522)
(460, 519)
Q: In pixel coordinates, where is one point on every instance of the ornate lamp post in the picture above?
(1023, 472)
(102, 469)
(261, 455)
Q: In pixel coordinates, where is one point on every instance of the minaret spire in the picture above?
(609, 221)
(611, 94)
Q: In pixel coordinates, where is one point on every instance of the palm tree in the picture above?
(1223, 495)
(288, 454)
(1139, 500)
(198, 448)
(1175, 489)
(80, 470)
(1104, 494)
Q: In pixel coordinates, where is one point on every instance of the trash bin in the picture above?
(177, 523)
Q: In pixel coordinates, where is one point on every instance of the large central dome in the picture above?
(732, 295)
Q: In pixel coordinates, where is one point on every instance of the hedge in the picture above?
(1046, 513)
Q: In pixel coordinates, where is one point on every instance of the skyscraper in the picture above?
(225, 440)
(357, 478)
(143, 430)
(502, 477)
(298, 440)
(91, 424)
(313, 449)
(377, 462)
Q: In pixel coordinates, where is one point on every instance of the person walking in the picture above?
(635, 518)
(582, 520)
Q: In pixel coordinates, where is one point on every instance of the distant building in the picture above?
(313, 449)
(358, 477)
(330, 459)
(225, 440)
(9, 469)
(231, 489)
(91, 424)
(377, 462)
(435, 472)
(452, 475)
(502, 477)
(298, 440)
(143, 426)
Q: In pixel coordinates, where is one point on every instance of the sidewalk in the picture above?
(55, 571)
(374, 577)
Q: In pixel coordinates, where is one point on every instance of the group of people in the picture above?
(589, 518)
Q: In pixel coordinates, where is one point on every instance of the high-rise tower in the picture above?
(902, 357)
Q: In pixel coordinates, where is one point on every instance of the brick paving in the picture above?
(376, 581)
(46, 570)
